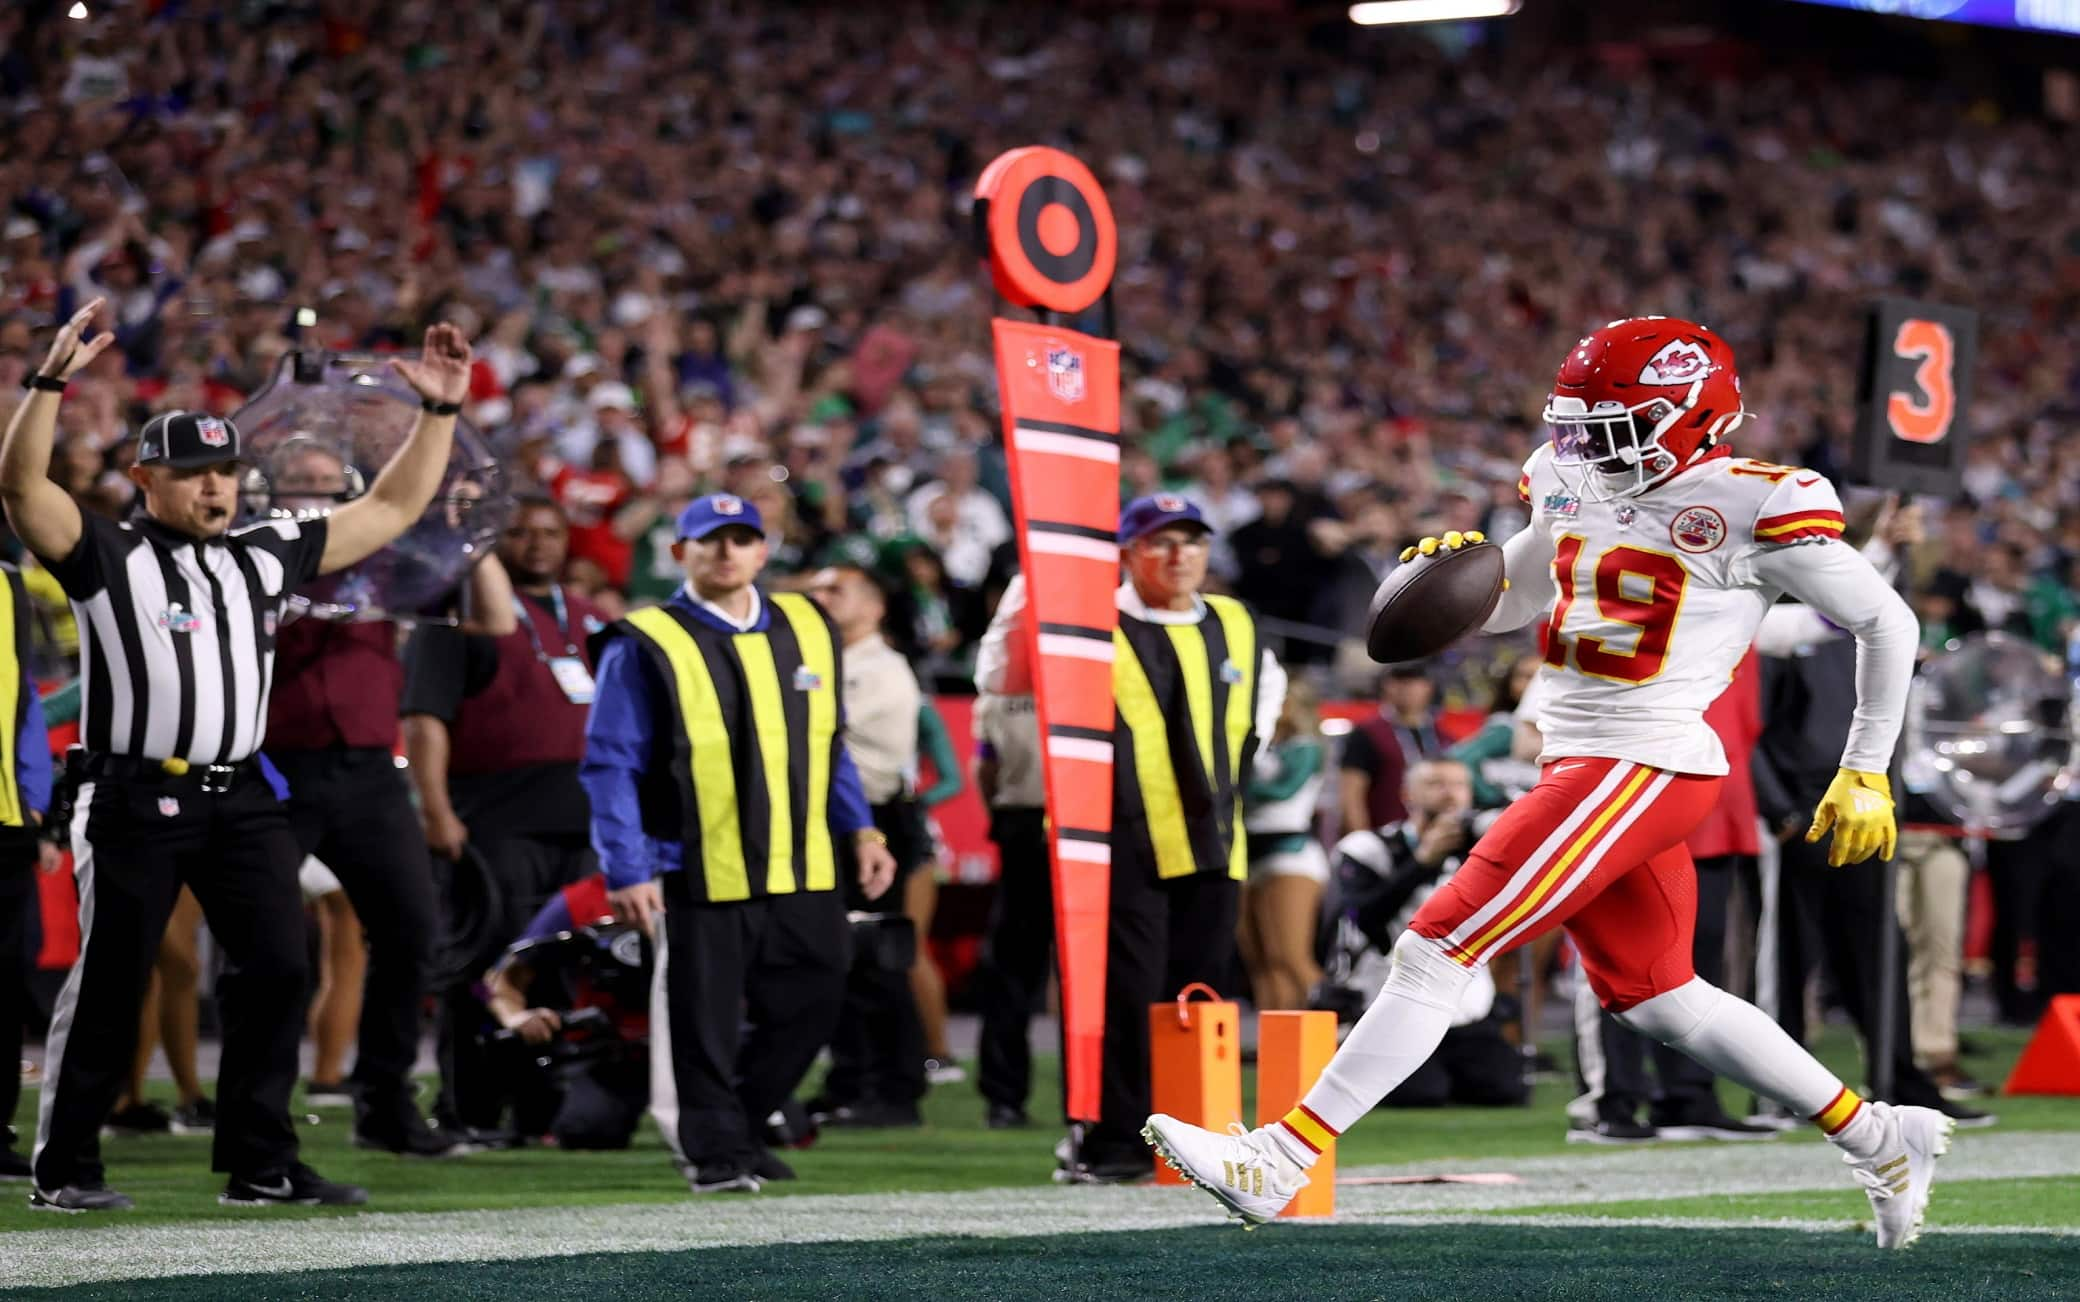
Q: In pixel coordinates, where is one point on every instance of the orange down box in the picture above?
(1195, 1064)
(1292, 1050)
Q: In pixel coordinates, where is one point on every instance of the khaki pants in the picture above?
(1932, 880)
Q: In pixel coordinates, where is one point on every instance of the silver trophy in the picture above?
(1990, 735)
(317, 435)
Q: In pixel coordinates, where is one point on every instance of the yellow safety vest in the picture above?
(1187, 700)
(754, 728)
(16, 696)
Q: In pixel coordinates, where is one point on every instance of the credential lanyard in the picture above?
(563, 623)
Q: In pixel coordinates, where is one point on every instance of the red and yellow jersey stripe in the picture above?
(1795, 526)
(1524, 488)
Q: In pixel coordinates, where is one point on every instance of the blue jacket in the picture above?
(32, 752)
(621, 743)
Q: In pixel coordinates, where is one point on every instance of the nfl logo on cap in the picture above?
(727, 505)
(1168, 502)
(212, 432)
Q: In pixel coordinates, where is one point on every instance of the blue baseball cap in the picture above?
(1145, 515)
(704, 515)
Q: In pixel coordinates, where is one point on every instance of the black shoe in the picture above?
(870, 1114)
(328, 1094)
(1710, 1124)
(1002, 1116)
(76, 1198)
(406, 1135)
(476, 1139)
(1610, 1132)
(768, 1166)
(299, 1186)
(139, 1119)
(727, 1177)
(1966, 1118)
(197, 1118)
(13, 1166)
(1121, 1170)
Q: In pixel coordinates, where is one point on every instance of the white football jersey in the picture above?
(1657, 601)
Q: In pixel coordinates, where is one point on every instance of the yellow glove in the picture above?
(1451, 542)
(1858, 806)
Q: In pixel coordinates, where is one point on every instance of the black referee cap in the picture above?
(187, 438)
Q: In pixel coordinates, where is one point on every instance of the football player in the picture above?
(1651, 556)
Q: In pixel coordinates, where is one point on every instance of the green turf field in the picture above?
(957, 1209)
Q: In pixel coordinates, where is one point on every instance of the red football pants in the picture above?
(1597, 847)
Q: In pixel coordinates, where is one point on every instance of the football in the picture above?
(1426, 604)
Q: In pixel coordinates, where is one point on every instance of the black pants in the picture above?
(525, 872)
(1161, 937)
(2019, 872)
(1012, 977)
(135, 844)
(746, 995)
(20, 927)
(1474, 1067)
(877, 1051)
(1831, 917)
(351, 809)
(1615, 1067)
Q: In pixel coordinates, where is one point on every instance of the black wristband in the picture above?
(41, 383)
(431, 407)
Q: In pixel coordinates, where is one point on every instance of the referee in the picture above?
(177, 623)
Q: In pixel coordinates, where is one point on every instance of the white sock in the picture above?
(1395, 1036)
(1739, 1041)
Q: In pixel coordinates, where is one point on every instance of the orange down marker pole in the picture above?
(1292, 1050)
(1195, 1063)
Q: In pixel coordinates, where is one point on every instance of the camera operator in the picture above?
(1383, 875)
(572, 996)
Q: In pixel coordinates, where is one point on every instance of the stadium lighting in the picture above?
(1379, 13)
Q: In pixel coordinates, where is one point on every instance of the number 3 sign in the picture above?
(1912, 433)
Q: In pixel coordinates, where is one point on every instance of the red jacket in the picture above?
(1730, 827)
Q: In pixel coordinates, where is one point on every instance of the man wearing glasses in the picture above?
(1195, 692)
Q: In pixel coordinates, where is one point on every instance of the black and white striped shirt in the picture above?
(176, 636)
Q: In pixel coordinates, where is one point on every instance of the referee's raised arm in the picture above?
(42, 514)
(407, 484)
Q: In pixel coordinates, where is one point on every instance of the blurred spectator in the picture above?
(494, 729)
(1012, 976)
(1281, 902)
(958, 518)
(1379, 749)
(877, 1070)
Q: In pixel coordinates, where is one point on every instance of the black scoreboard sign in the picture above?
(1911, 431)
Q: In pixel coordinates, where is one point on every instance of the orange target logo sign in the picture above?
(1047, 228)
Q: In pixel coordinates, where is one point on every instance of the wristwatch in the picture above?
(873, 835)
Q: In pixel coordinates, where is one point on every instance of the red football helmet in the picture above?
(1640, 399)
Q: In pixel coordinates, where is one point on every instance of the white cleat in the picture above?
(1899, 1177)
(1245, 1169)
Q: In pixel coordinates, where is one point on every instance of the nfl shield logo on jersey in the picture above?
(212, 432)
(1697, 529)
(169, 806)
(1065, 372)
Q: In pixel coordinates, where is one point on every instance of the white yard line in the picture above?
(112, 1251)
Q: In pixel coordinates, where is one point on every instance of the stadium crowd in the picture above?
(727, 249)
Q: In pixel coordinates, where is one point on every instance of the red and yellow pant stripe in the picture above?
(1578, 850)
(1839, 1112)
(1308, 1128)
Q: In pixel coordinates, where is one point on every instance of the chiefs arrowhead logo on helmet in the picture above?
(1680, 362)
